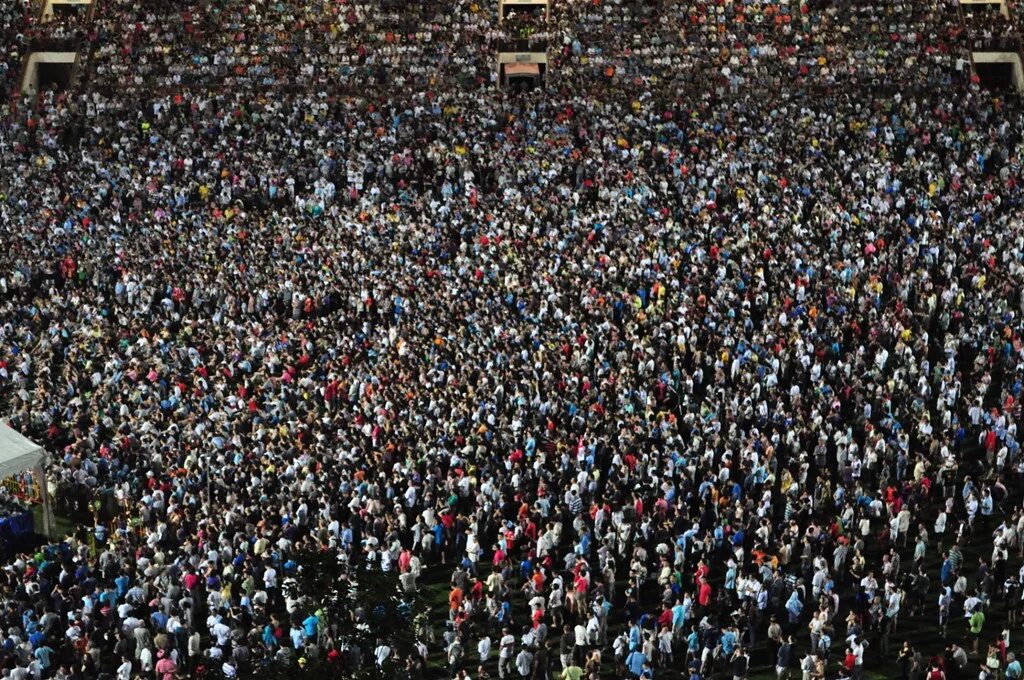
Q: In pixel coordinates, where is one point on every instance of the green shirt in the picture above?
(977, 621)
(572, 673)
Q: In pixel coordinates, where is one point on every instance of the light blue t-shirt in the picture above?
(635, 662)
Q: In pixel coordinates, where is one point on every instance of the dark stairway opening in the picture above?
(55, 76)
(997, 77)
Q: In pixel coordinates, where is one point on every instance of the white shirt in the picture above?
(507, 642)
(524, 662)
(858, 652)
(581, 635)
(221, 632)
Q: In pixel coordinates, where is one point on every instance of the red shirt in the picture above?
(704, 596)
(701, 573)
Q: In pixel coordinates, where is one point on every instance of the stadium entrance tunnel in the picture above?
(519, 71)
(969, 7)
(1000, 71)
(66, 10)
(536, 10)
(48, 71)
(522, 77)
(998, 77)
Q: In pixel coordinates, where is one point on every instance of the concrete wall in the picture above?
(522, 58)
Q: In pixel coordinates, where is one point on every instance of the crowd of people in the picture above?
(152, 47)
(15, 18)
(702, 357)
(991, 27)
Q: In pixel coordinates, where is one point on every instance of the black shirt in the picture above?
(739, 665)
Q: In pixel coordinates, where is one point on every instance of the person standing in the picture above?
(505, 649)
(166, 669)
(572, 673)
(541, 661)
(807, 665)
(124, 671)
(740, 664)
(524, 663)
(976, 624)
(635, 662)
(565, 646)
(1013, 667)
(784, 658)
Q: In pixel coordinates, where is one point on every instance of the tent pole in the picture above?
(45, 493)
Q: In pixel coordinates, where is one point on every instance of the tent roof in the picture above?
(17, 453)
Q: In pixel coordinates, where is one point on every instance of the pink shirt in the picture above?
(165, 668)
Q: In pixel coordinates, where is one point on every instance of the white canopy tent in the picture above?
(19, 454)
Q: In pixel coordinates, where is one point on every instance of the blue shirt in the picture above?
(159, 620)
(730, 578)
(310, 625)
(634, 636)
(692, 642)
(635, 662)
(43, 654)
(946, 571)
(678, 616)
(986, 505)
(108, 597)
(728, 641)
(794, 605)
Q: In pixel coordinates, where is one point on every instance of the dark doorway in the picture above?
(54, 76)
(523, 83)
(69, 12)
(997, 77)
(522, 77)
(523, 13)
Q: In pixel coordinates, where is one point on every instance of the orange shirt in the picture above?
(538, 581)
(455, 598)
